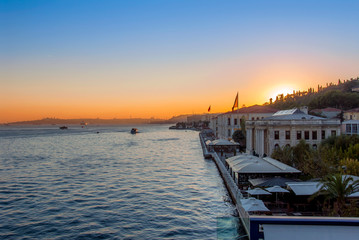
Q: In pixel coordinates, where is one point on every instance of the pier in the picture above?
(260, 227)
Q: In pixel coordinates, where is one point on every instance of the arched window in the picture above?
(315, 146)
(276, 147)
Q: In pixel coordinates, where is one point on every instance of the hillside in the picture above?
(343, 95)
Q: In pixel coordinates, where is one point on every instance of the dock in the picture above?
(260, 227)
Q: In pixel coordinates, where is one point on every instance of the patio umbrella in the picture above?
(254, 205)
(276, 189)
(251, 200)
(258, 191)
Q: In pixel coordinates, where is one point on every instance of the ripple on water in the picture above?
(114, 185)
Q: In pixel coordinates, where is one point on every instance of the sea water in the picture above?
(101, 182)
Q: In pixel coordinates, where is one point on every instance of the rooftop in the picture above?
(292, 114)
(245, 163)
(328, 109)
(353, 110)
(253, 109)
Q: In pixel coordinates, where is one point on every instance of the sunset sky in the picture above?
(159, 58)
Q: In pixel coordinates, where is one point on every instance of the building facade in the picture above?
(287, 128)
(225, 124)
(352, 114)
(350, 127)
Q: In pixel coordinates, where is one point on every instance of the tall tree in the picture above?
(337, 188)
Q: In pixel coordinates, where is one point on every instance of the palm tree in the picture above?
(337, 187)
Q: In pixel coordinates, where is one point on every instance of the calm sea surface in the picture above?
(80, 184)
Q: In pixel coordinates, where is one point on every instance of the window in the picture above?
(287, 135)
(299, 135)
(323, 134)
(276, 147)
(253, 118)
(257, 118)
(229, 121)
(348, 128)
(306, 135)
(229, 132)
(314, 135)
(276, 135)
(334, 133)
(355, 128)
(235, 121)
(351, 117)
(315, 146)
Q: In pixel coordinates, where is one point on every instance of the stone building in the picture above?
(288, 127)
(350, 127)
(225, 124)
(352, 114)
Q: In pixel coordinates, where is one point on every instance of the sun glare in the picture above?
(281, 90)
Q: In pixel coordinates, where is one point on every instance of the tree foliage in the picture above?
(333, 155)
(349, 166)
(333, 95)
(239, 137)
(337, 188)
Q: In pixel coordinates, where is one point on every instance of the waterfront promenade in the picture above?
(281, 227)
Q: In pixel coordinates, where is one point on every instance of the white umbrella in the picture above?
(249, 200)
(258, 191)
(254, 205)
(276, 189)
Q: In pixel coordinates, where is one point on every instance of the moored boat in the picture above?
(63, 127)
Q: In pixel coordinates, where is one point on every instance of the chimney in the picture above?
(304, 109)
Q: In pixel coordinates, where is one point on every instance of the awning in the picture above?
(305, 188)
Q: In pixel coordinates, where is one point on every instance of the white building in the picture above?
(352, 114)
(288, 127)
(225, 124)
(350, 127)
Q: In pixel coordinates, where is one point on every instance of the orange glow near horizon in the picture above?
(164, 61)
(158, 101)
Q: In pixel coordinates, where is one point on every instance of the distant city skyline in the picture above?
(143, 59)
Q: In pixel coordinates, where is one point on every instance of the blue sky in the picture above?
(212, 48)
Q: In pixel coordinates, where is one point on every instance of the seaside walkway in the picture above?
(283, 227)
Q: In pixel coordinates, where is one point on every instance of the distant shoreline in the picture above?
(55, 121)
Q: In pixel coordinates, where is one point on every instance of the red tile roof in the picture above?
(256, 109)
(353, 110)
(328, 109)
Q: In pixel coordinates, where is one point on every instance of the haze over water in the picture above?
(77, 184)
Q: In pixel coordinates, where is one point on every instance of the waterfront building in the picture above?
(225, 124)
(350, 127)
(246, 166)
(287, 128)
(352, 114)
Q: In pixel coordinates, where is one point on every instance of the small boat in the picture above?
(83, 123)
(134, 130)
(63, 127)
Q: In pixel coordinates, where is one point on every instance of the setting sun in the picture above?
(281, 90)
